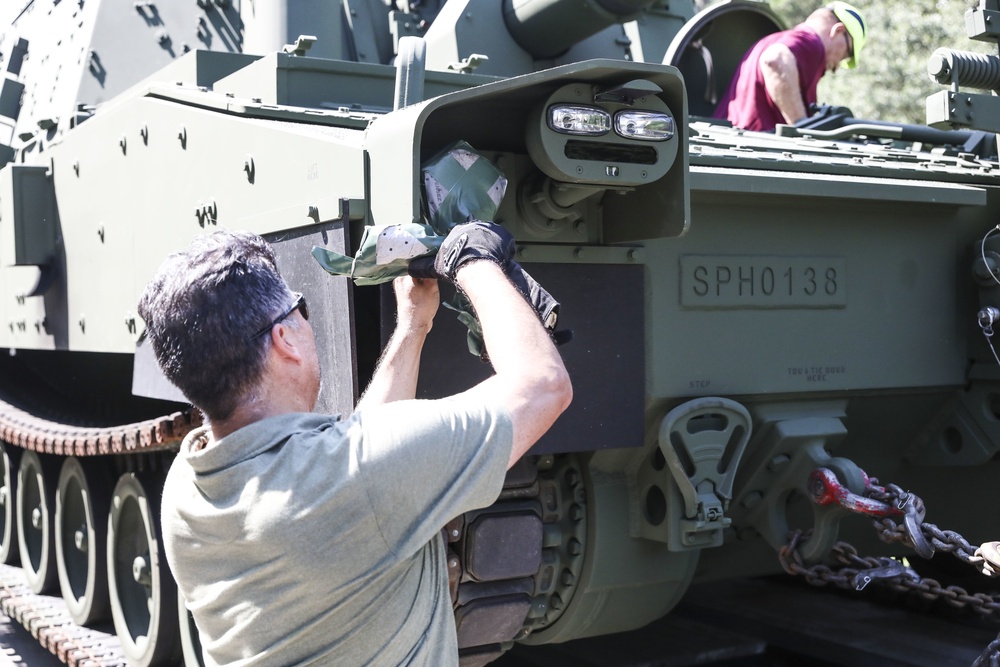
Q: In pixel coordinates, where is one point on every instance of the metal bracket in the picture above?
(302, 44)
(469, 64)
(702, 441)
(789, 447)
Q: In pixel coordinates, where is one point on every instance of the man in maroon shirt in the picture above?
(776, 80)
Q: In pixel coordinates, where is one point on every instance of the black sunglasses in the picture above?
(300, 304)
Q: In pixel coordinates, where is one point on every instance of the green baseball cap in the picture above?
(856, 28)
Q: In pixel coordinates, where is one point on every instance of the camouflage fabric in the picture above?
(460, 185)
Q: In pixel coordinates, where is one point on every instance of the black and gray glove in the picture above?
(469, 242)
(478, 241)
(539, 298)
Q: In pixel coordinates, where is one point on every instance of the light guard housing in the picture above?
(565, 139)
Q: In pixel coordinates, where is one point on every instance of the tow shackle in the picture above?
(826, 489)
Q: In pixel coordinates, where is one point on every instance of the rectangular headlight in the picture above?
(579, 120)
(644, 125)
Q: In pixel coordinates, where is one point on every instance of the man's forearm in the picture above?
(789, 102)
(395, 377)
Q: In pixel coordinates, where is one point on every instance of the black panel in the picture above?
(604, 306)
(330, 308)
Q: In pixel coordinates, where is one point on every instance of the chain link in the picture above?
(947, 541)
(856, 571)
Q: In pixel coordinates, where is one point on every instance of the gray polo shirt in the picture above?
(301, 539)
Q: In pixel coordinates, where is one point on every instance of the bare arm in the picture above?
(531, 380)
(395, 377)
(781, 78)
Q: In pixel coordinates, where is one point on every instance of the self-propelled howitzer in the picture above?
(747, 308)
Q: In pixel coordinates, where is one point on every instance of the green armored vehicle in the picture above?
(759, 320)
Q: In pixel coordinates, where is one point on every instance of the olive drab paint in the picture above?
(746, 307)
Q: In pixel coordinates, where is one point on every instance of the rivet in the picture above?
(752, 499)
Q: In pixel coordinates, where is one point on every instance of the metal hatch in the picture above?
(711, 45)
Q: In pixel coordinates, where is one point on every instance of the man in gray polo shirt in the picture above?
(299, 538)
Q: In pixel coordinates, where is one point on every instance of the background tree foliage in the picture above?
(891, 81)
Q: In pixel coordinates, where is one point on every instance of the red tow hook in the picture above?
(825, 488)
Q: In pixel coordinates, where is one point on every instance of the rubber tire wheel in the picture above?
(143, 593)
(83, 499)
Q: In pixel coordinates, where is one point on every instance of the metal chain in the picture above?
(922, 536)
(947, 541)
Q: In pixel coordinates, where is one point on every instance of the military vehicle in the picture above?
(759, 319)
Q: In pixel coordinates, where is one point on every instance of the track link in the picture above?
(49, 622)
(26, 431)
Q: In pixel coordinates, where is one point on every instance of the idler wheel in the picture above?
(36, 498)
(143, 594)
(9, 457)
(81, 540)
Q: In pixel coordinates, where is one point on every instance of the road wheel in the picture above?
(143, 593)
(37, 477)
(9, 457)
(81, 540)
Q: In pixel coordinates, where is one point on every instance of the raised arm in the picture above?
(531, 381)
(395, 377)
(781, 78)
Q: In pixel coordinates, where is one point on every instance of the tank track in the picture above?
(26, 431)
(48, 620)
(46, 617)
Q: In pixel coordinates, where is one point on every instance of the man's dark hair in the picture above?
(202, 309)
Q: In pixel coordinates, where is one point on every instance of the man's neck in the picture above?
(248, 414)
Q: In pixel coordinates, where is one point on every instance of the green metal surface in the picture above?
(819, 289)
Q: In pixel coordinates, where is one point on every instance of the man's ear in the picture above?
(284, 342)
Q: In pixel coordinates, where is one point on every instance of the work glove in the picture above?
(469, 242)
(486, 241)
(539, 298)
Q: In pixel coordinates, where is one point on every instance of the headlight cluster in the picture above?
(590, 121)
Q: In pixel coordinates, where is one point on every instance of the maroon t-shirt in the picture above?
(747, 104)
